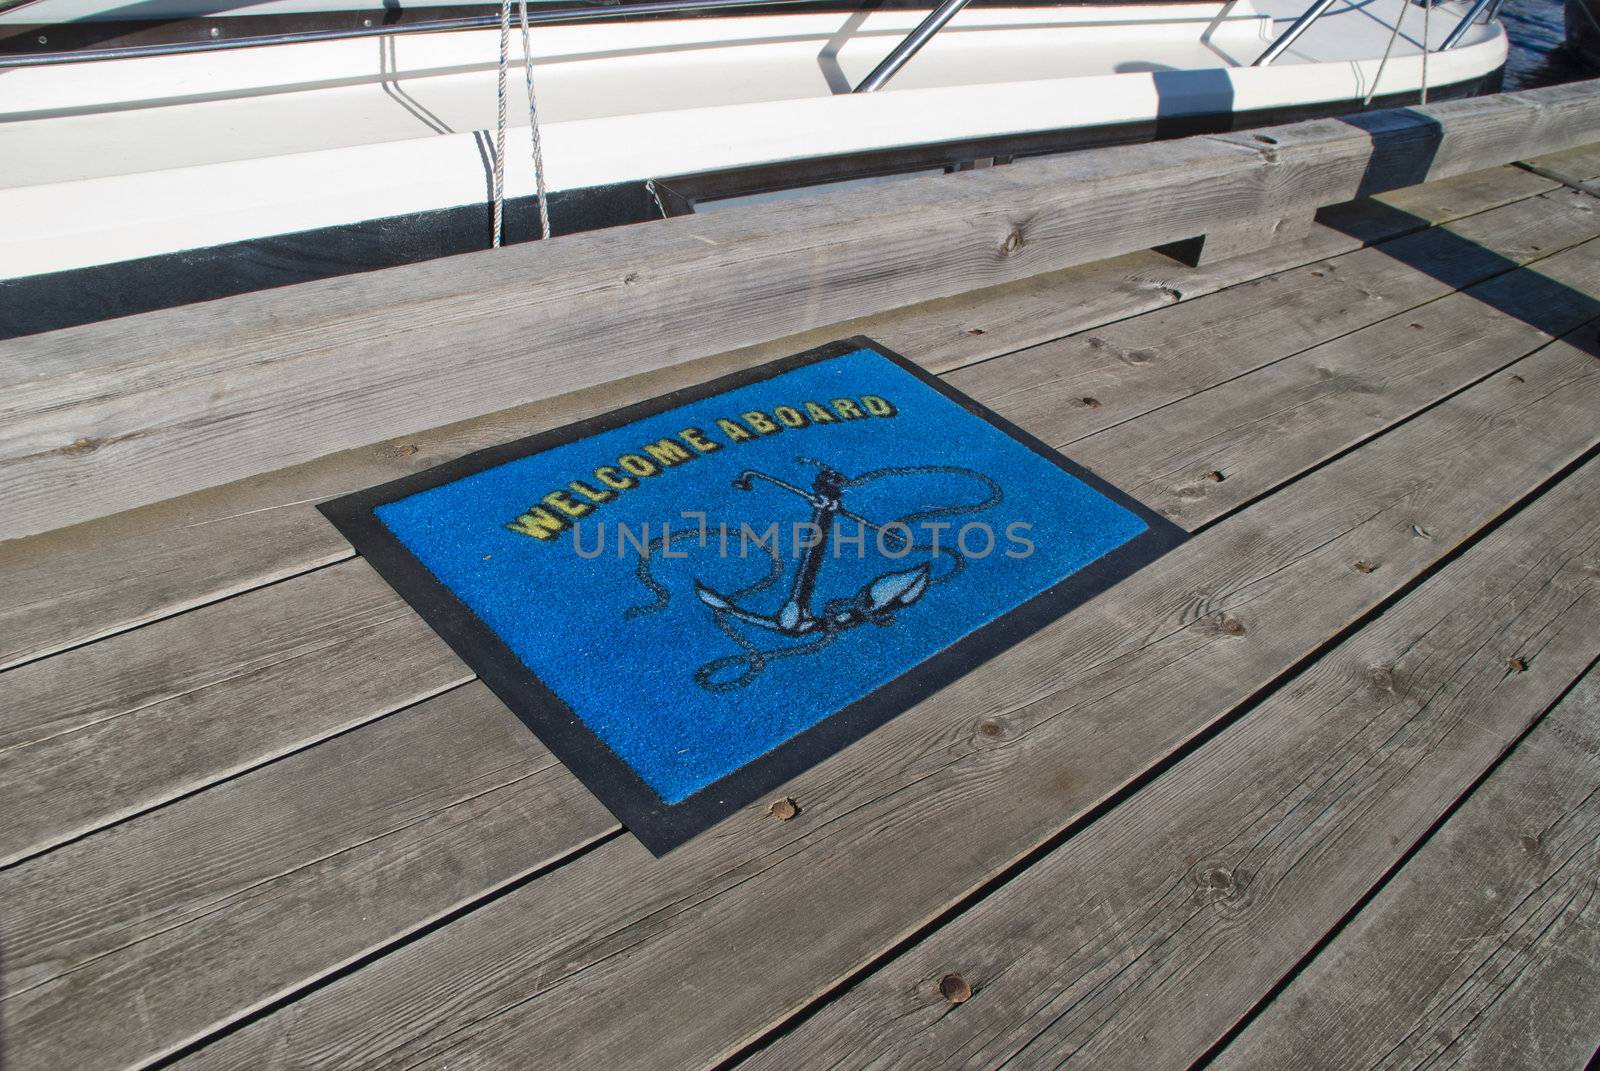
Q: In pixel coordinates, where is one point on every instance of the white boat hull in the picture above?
(136, 158)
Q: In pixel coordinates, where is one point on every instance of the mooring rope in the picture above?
(1427, 9)
(500, 125)
(533, 125)
(499, 170)
(1405, 5)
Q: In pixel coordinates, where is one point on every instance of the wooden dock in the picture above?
(1321, 788)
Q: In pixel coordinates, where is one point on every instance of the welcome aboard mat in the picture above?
(693, 599)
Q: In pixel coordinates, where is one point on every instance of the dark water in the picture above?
(1538, 57)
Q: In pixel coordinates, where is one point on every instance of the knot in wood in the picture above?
(1222, 884)
(1230, 625)
(784, 809)
(994, 728)
(1381, 678)
(1014, 241)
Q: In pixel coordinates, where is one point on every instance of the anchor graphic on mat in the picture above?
(805, 630)
(875, 602)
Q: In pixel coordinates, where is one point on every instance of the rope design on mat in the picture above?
(752, 659)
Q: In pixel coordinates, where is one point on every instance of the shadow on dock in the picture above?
(1405, 144)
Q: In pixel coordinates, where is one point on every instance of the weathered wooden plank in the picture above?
(1331, 397)
(1238, 239)
(1065, 388)
(118, 727)
(1578, 167)
(1583, 185)
(77, 584)
(102, 418)
(179, 989)
(238, 894)
(1484, 949)
(576, 965)
(1231, 867)
(1476, 247)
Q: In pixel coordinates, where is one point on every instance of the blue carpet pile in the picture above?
(694, 599)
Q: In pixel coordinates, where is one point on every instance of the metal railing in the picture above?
(879, 77)
(1466, 23)
(1320, 8)
(591, 13)
(910, 46)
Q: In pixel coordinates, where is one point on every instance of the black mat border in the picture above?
(659, 826)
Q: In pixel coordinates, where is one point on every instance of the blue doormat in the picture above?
(693, 599)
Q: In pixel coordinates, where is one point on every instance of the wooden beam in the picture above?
(1237, 239)
(107, 417)
(1220, 408)
(74, 585)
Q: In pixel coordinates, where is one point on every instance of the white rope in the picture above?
(1405, 5)
(533, 126)
(1427, 9)
(1588, 15)
(500, 125)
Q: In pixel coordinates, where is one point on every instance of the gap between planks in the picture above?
(1146, 938)
(1483, 949)
(1578, 167)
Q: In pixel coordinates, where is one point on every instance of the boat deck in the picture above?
(1319, 788)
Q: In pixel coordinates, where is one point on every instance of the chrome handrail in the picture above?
(880, 75)
(909, 47)
(473, 22)
(1466, 23)
(1292, 34)
(1316, 11)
